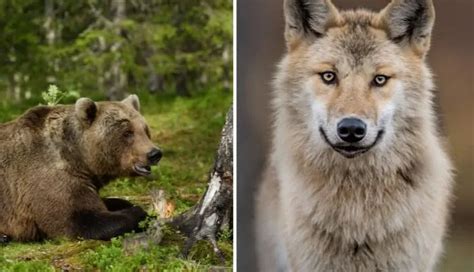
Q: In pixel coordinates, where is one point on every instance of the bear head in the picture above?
(114, 138)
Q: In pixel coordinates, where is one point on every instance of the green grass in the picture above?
(188, 131)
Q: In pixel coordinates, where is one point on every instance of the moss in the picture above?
(163, 257)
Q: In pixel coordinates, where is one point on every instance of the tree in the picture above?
(116, 77)
(214, 210)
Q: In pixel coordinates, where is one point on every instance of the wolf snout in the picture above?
(154, 156)
(351, 130)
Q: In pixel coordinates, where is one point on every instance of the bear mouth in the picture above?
(142, 170)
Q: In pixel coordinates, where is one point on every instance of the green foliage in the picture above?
(226, 234)
(159, 45)
(53, 95)
(24, 266)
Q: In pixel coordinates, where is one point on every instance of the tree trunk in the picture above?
(214, 210)
(182, 84)
(155, 81)
(51, 36)
(118, 78)
(49, 21)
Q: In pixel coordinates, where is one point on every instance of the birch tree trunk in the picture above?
(214, 210)
(48, 22)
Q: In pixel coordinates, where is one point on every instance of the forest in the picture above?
(108, 48)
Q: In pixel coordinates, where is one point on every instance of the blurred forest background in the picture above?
(260, 45)
(177, 56)
(112, 47)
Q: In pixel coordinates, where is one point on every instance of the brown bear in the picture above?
(53, 161)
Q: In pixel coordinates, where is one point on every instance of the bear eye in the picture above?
(328, 77)
(380, 80)
(128, 134)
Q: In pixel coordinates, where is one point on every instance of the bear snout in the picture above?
(154, 156)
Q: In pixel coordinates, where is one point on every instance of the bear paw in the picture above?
(4, 239)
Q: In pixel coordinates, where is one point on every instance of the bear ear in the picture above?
(86, 110)
(306, 20)
(409, 22)
(133, 101)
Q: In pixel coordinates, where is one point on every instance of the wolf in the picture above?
(358, 178)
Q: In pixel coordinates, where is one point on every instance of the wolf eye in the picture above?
(380, 80)
(328, 77)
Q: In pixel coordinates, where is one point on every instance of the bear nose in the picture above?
(351, 130)
(154, 156)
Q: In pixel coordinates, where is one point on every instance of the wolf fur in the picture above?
(385, 209)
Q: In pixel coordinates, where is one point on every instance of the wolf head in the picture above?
(353, 81)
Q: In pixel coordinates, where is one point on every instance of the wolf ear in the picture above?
(133, 101)
(86, 110)
(410, 22)
(307, 19)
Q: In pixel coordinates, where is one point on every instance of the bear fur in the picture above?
(54, 160)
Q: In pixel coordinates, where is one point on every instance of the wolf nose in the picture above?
(154, 156)
(351, 130)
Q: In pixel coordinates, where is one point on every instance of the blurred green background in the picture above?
(108, 48)
(260, 45)
(177, 56)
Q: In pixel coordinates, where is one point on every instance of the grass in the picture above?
(188, 131)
